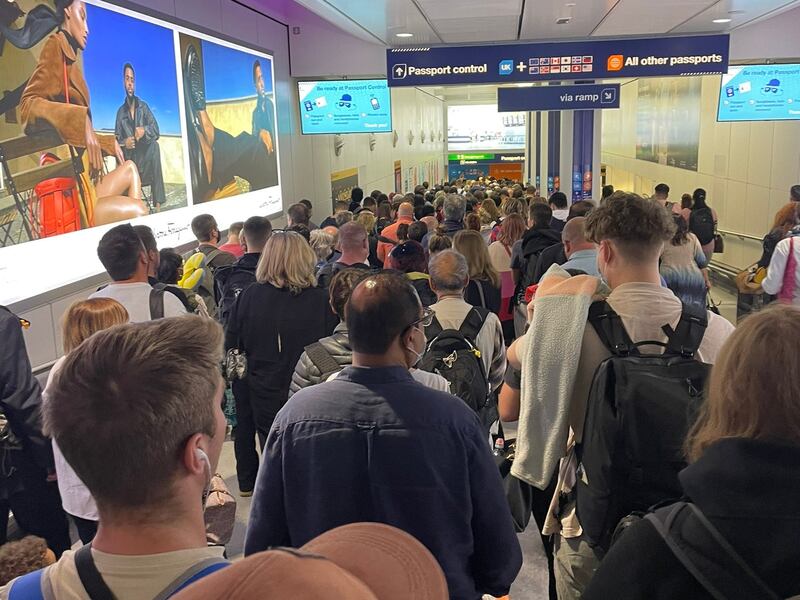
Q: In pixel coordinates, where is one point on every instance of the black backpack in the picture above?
(701, 223)
(453, 354)
(639, 410)
(229, 282)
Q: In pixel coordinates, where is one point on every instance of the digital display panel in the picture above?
(760, 93)
(347, 106)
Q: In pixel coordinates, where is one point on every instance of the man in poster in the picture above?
(137, 132)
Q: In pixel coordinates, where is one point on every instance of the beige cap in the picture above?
(360, 561)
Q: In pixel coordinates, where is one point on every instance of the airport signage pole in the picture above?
(553, 61)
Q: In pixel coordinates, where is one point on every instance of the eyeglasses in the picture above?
(425, 320)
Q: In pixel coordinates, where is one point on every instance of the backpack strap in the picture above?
(480, 292)
(28, 587)
(685, 340)
(90, 577)
(706, 554)
(473, 323)
(192, 574)
(211, 256)
(157, 301)
(433, 330)
(321, 358)
(610, 329)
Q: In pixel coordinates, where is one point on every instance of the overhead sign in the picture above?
(593, 59)
(483, 157)
(558, 97)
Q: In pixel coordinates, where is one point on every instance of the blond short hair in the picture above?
(287, 262)
(367, 220)
(124, 403)
(86, 317)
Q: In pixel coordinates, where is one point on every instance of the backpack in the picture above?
(707, 555)
(452, 354)
(29, 587)
(229, 282)
(639, 411)
(205, 289)
(701, 223)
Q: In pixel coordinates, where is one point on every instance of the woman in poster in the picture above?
(57, 94)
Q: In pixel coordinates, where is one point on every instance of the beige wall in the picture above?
(746, 168)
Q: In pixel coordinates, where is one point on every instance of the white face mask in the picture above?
(418, 355)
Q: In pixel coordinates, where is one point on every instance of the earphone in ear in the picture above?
(201, 455)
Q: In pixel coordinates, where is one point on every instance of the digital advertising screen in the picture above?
(481, 127)
(760, 93)
(170, 124)
(351, 106)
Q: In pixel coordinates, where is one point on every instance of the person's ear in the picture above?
(194, 461)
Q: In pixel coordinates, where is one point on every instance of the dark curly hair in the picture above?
(639, 226)
(409, 257)
(22, 557)
(681, 231)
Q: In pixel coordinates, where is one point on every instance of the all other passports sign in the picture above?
(601, 59)
(558, 97)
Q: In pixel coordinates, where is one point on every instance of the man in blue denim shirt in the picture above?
(374, 445)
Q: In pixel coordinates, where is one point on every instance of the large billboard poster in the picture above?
(668, 121)
(107, 116)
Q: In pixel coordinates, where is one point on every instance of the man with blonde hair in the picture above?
(145, 440)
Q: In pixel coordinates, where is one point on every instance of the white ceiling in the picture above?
(486, 21)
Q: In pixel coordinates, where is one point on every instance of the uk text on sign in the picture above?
(558, 97)
(593, 59)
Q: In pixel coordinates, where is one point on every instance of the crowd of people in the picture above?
(415, 380)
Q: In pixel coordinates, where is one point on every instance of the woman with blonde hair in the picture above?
(512, 230)
(322, 244)
(82, 320)
(483, 288)
(490, 218)
(743, 480)
(273, 321)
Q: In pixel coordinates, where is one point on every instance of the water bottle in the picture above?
(499, 447)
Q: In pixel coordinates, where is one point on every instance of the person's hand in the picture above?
(130, 143)
(139, 133)
(118, 153)
(266, 139)
(95, 153)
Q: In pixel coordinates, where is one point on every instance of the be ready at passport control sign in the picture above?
(529, 63)
(346, 106)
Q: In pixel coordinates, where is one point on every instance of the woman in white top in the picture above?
(783, 274)
(81, 320)
(512, 229)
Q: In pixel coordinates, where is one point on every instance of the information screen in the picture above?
(186, 123)
(481, 127)
(760, 93)
(352, 106)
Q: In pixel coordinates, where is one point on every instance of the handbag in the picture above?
(786, 295)
(748, 281)
(711, 305)
(719, 244)
(519, 494)
(220, 512)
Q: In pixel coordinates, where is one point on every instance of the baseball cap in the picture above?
(360, 561)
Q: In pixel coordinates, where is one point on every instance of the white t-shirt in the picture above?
(128, 577)
(135, 297)
(76, 499)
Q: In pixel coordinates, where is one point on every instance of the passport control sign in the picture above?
(552, 61)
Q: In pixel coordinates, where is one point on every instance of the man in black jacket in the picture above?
(229, 282)
(554, 255)
(27, 471)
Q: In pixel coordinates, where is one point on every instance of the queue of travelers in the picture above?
(377, 363)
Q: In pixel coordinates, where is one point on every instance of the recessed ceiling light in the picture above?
(721, 21)
(412, 35)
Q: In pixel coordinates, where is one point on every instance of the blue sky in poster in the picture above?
(115, 39)
(760, 93)
(229, 72)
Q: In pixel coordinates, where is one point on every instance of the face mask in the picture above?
(207, 487)
(418, 356)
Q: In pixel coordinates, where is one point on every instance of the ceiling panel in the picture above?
(648, 17)
(539, 20)
(470, 9)
(741, 12)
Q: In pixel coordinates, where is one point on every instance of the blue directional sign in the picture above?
(558, 97)
(592, 59)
